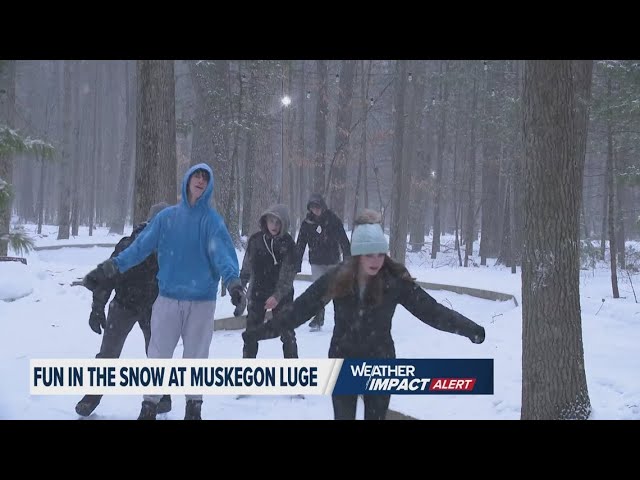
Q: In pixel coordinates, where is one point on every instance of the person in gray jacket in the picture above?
(269, 269)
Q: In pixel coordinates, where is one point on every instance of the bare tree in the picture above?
(611, 199)
(338, 172)
(322, 112)
(64, 192)
(127, 149)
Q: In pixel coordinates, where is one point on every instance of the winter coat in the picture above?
(269, 263)
(193, 245)
(325, 236)
(362, 329)
(137, 288)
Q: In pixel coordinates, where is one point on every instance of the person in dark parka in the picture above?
(136, 290)
(323, 231)
(366, 289)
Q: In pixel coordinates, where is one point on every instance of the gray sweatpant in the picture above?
(172, 319)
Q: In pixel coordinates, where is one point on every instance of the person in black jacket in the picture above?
(366, 289)
(136, 290)
(324, 232)
(269, 268)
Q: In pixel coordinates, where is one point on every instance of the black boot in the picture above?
(193, 410)
(87, 405)
(164, 406)
(318, 321)
(148, 411)
(250, 349)
(289, 344)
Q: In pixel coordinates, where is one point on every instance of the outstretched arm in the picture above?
(300, 311)
(424, 307)
(222, 254)
(143, 246)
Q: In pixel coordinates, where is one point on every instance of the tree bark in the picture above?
(556, 96)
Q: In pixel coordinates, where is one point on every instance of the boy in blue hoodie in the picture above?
(194, 250)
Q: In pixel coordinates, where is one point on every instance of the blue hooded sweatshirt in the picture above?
(193, 245)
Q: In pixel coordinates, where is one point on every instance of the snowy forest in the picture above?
(435, 145)
(537, 161)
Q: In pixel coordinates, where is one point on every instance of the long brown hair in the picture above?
(345, 281)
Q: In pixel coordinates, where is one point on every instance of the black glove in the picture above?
(478, 336)
(236, 291)
(241, 306)
(264, 331)
(99, 275)
(97, 320)
(93, 279)
(108, 268)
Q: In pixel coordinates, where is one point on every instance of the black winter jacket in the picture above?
(269, 263)
(325, 236)
(137, 288)
(363, 330)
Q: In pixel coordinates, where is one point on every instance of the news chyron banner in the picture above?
(415, 377)
(261, 376)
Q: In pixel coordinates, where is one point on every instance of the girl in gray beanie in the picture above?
(366, 289)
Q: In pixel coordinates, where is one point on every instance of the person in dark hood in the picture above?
(323, 231)
(366, 289)
(269, 269)
(136, 290)
(195, 251)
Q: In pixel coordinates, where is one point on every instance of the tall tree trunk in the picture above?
(64, 203)
(471, 199)
(40, 201)
(302, 153)
(96, 148)
(489, 246)
(120, 211)
(290, 134)
(322, 112)
(605, 209)
(232, 216)
(620, 231)
(400, 201)
(250, 155)
(78, 108)
(338, 173)
(7, 115)
(419, 153)
(156, 163)
(365, 80)
(439, 180)
(611, 201)
(556, 96)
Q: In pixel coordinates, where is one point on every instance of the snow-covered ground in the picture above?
(49, 320)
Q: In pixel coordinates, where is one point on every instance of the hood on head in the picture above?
(205, 198)
(278, 210)
(317, 199)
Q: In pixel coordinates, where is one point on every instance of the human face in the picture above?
(197, 185)
(273, 225)
(316, 210)
(371, 264)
